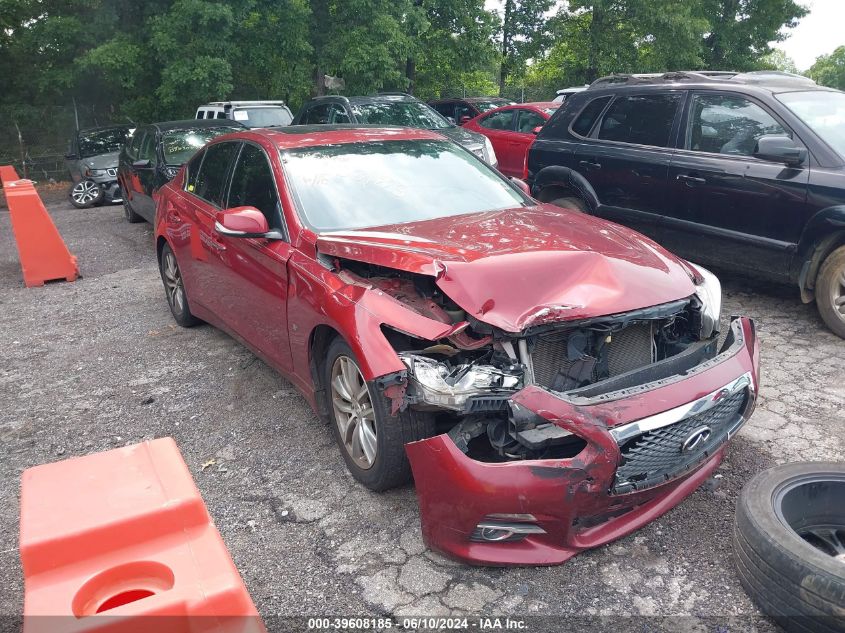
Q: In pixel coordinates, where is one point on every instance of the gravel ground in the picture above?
(99, 363)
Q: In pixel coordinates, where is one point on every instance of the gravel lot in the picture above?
(99, 363)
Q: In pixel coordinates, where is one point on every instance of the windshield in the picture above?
(102, 141)
(484, 106)
(358, 185)
(262, 117)
(180, 145)
(823, 111)
(404, 113)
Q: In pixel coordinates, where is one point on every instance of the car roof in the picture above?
(101, 128)
(387, 97)
(167, 126)
(296, 136)
(765, 80)
(476, 99)
(534, 104)
(218, 104)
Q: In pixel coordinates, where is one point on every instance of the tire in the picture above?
(799, 584)
(177, 298)
(830, 291)
(131, 216)
(570, 202)
(85, 194)
(388, 464)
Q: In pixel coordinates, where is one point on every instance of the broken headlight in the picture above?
(709, 292)
(450, 386)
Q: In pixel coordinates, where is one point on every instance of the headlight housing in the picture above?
(490, 153)
(709, 292)
(94, 173)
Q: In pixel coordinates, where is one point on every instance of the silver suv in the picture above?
(92, 162)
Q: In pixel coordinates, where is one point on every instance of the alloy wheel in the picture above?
(353, 412)
(173, 282)
(85, 192)
(837, 294)
(814, 508)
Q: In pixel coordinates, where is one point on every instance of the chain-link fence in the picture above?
(34, 139)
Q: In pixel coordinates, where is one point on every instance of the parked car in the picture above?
(91, 159)
(555, 379)
(511, 130)
(565, 93)
(745, 172)
(248, 113)
(460, 111)
(155, 155)
(391, 109)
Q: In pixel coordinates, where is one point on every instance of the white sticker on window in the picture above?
(241, 115)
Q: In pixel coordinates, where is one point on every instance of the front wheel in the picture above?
(371, 440)
(174, 287)
(85, 194)
(830, 291)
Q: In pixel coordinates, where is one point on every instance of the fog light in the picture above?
(500, 531)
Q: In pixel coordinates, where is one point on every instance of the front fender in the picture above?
(567, 178)
(823, 233)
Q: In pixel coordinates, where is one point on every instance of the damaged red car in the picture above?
(554, 381)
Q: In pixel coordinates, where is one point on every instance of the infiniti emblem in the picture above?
(696, 438)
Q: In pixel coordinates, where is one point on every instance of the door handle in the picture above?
(691, 180)
(589, 165)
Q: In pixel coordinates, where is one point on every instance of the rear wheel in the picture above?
(830, 291)
(131, 216)
(371, 439)
(171, 276)
(86, 193)
(570, 202)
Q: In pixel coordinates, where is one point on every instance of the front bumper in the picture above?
(577, 502)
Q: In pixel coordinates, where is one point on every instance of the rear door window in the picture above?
(641, 119)
(210, 183)
(585, 121)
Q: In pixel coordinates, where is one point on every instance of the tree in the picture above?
(524, 35)
(829, 70)
(778, 60)
(741, 30)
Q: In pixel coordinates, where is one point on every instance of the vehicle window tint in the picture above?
(446, 109)
(192, 169)
(318, 115)
(209, 184)
(728, 124)
(134, 146)
(220, 115)
(462, 110)
(528, 120)
(253, 186)
(499, 120)
(586, 120)
(338, 114)
(148, 147)
(640, 119)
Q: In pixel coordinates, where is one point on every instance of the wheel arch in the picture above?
(555, 182)
(160, 242)
(319, 340)
(823, 234)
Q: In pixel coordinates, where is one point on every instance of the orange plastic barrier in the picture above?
(110, 540)
(43, 254)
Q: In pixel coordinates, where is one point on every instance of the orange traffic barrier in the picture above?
(43, 254)
(110, 540)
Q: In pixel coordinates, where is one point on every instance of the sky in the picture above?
(819, 33)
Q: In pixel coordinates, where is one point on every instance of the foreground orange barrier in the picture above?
(43, 254)
(111, 540)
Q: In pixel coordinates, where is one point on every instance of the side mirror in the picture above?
(465, 119)
(537, 129)
(780, 149)
(523, 186)
(241, 222)
(141, 164)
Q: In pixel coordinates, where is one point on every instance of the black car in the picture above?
(462, 110)
(395, 108)
(740, 171)
(154, 155)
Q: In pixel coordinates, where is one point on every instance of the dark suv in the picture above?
(740, 171)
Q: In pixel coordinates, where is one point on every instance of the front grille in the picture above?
(629, 349)
(656, 456)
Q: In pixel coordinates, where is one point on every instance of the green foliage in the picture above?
(778, 60)
(829, 70)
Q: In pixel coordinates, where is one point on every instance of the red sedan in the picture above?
(554, 381)
(511, 130)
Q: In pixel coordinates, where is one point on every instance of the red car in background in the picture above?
(511, 130)
(554, 381)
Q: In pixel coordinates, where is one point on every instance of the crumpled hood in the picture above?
(523, 267)
(103, 161)
(469, 139)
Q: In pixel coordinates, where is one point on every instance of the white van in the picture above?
(249, 113)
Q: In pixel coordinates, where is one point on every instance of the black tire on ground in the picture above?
(174, 289)
(570, 202)
(798, 580)
(85, 194)
(830, 291)
(131, 216)
(390, 468)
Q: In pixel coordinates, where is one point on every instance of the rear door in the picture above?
(499, 126)
(728, 207)
(144, 176)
